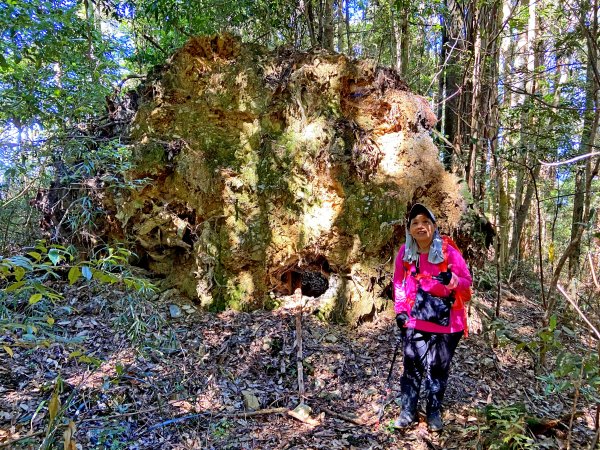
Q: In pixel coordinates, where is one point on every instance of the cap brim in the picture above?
(419, 208)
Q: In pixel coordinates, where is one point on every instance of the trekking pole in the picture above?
(394, 359)
(388, 389)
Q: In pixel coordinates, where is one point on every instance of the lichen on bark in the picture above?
(264, 163)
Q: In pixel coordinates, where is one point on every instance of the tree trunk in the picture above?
(484, 106)
(446, 149)
(328, 26)
(402, 45)
(577, 215)
(306, 6)
(527, 144)
(395, 36)
(340, 26)
(590, 125)
(321, 24)
(348, 41)
(476, 112)
(522, 211)
(454, 26)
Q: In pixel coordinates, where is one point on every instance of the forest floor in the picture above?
(131, 373)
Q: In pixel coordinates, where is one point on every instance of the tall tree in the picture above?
(582, 211)
(527, 166)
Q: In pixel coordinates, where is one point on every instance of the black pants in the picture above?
(428, 354)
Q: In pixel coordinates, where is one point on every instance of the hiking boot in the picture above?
(434, 421)
(404, 420)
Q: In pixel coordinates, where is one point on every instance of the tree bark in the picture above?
(446, 149)
(306, 6)
(475, 126)
(590, 125)
(328, 26)
(523, 202)
(402, 44)
(340, 26)
(522, 211)
(453, 27)
(348, 41)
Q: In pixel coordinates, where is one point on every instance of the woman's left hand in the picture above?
(448, 278)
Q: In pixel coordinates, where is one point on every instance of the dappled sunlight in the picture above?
(238, 370)
(94, 378)
(319, 218)
(392, 164)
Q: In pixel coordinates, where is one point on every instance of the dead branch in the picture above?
(9, 444)
(307, 420)
(342, 416)
(585, 319)
(301, 392)
(259, 412)
(568, 161)
(593, 272)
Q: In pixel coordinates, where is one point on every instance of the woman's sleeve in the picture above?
(400, 304)
(460, 268)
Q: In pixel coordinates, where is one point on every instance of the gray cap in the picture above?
(420, 208)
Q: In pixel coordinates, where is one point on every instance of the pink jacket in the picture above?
(405, 289)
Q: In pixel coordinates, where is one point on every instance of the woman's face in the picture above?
(421, 229)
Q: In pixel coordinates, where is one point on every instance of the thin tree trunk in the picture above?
(348, 41)
(340, 26)
(447, 150)
(475, 113)
(588, 135)
(455, 92)
(394, 41)
(522, 206)
(306, 6)
(522, 211)
(578, 204)
(507, 55)
(328, 26)
(404, 39)
(320, 17)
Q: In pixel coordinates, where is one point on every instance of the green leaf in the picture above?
(13, 287)
(74, 274)
(19, 273)
(35, 298)
(54, 256)
(21, 261)
(86, 272)
(35, 255)
(105, 277)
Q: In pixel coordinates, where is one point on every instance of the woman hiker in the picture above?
(431, 284)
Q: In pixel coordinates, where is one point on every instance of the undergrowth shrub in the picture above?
(505, 427)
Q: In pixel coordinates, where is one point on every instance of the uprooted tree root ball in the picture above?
(265, 165)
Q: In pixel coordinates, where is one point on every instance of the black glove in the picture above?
(401, 319)
(444, 277)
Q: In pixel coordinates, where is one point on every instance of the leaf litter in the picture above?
(119, 371)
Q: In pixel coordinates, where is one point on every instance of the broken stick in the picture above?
(298, 298)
